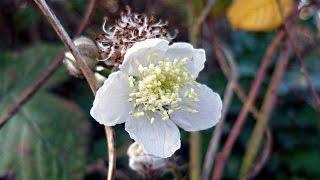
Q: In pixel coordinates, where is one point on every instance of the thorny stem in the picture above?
(86, 72)
(33, 89)
(223, 156)
(214, 142)
(266, 110)
(303, 66)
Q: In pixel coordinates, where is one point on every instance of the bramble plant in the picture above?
(153, 86)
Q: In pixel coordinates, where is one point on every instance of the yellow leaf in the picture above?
(258, 15)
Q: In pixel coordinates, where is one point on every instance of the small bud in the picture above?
(89, 52)
(99, 78)
(141, 162)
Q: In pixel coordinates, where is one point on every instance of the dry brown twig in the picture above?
(223, 156)
(55, 23)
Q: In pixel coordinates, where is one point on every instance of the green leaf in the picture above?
(46, 138)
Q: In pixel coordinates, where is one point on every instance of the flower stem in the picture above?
(88, 74)
(195, 138)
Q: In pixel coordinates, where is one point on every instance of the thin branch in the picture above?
(86, 19)
(65, 38)
(223, 65)
(205, 12)
(85, 71)
(33, 88)
(303, 66)
(222, 62)
(214, 142)
(195, 26)
(223, 156)
(264, 157)
(266, 110)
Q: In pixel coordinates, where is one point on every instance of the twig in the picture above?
(222, 62)
(33, 89)
(303, 66)
(264, 157)
(83, 24)
(214, 142)
(223, 156)
(55, 23)
(267, 107)
(223, 65)
(205, 12)
(86, 72)
(195, 26)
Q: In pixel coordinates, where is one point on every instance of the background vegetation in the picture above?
(53, 136)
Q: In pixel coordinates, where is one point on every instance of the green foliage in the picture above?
(46, 139)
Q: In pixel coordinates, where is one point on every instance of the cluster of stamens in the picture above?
(158, 88)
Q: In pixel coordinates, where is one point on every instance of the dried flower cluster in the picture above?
(131, 28)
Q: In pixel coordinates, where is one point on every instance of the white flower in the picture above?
(140, 161)
(154, 92)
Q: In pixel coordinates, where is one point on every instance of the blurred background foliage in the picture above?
(54, 137)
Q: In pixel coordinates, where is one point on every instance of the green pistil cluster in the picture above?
(158, 87)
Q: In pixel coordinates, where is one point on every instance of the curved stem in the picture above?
(264, 156)
(266, 110)
(89, 11)
(223, 156)
(215, 139)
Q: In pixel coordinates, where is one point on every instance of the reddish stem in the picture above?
(223, 156)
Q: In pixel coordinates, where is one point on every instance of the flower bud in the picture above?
(141, 162)
(89, 52)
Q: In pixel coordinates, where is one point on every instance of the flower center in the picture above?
(158, 87)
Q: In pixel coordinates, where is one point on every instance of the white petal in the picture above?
(209, 109)
(111, 106)
(182, 50)
(161, 138)
(144, 53)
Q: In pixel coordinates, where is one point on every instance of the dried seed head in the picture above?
(130, 28)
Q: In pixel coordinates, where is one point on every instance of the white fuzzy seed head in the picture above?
(129, 29)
